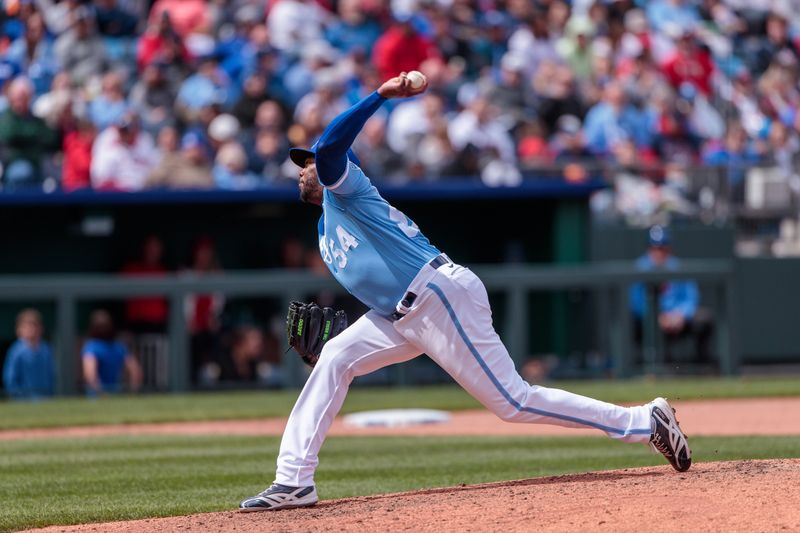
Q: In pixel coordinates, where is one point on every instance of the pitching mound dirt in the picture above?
(731, 496)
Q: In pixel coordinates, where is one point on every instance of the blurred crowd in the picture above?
(124, 345)
(134, 94)
(226, 343)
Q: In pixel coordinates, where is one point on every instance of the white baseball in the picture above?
(416, 78)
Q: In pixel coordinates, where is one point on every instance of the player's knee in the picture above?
(333, 351)
(340, 343)
(509, 414)
(334, 360)
(334, 365)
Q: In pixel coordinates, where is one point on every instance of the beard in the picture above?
(311, 194)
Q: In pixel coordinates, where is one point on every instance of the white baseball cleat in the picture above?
(280, 497)
(667, 436)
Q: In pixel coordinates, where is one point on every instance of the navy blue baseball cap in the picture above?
(659, 236)
(299, 155)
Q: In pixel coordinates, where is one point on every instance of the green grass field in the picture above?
(64, 481)
(226, 406)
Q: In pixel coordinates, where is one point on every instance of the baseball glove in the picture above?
(309, 327)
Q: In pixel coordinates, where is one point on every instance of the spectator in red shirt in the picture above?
(203, 314)
(205, 308)
(187, 16)
(689, 63)
(78, 156)
(401, 48)
(161, 42)
(147, 314)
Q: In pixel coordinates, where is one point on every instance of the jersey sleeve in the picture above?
(352, 182)
(331, 152)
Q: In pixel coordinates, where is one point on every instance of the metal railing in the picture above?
(515, 281)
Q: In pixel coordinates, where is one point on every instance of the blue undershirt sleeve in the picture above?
(331, 153)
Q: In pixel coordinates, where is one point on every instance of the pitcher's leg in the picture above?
(458, 334)
(368, 344)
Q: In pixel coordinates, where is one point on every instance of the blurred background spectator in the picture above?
(152, 96)
(28, 371)
(26, 138)
(230, 168)
(204, 313)
(108, 366)
(110, 104)
(77, 146)
(676, 303)
(123, 155)
(403, 46)
(187, 168)
(80, 50)
(147, 314)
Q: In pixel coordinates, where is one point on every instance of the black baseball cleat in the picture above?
(280, 497)
(667, 436)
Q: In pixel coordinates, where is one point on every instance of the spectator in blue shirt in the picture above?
(663, 14)
(354, 30)
(208, 86)
(28, 370)
(298, 80)
(106, 361)
(33, 52)
(110, 104)
(235, 49)
(613, 120)
(230, 168)
(735, 157)
(677, 301)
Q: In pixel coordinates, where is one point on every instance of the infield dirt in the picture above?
(727, 496)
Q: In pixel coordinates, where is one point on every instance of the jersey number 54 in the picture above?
(330, 252)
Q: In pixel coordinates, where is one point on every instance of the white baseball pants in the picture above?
(451, 321)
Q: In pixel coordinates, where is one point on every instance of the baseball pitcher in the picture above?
(420, 302)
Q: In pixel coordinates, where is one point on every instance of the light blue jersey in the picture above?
(371, 248)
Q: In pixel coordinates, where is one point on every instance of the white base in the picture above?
(396, 418)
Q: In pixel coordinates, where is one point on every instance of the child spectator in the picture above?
(106, 361)
(28, 371)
